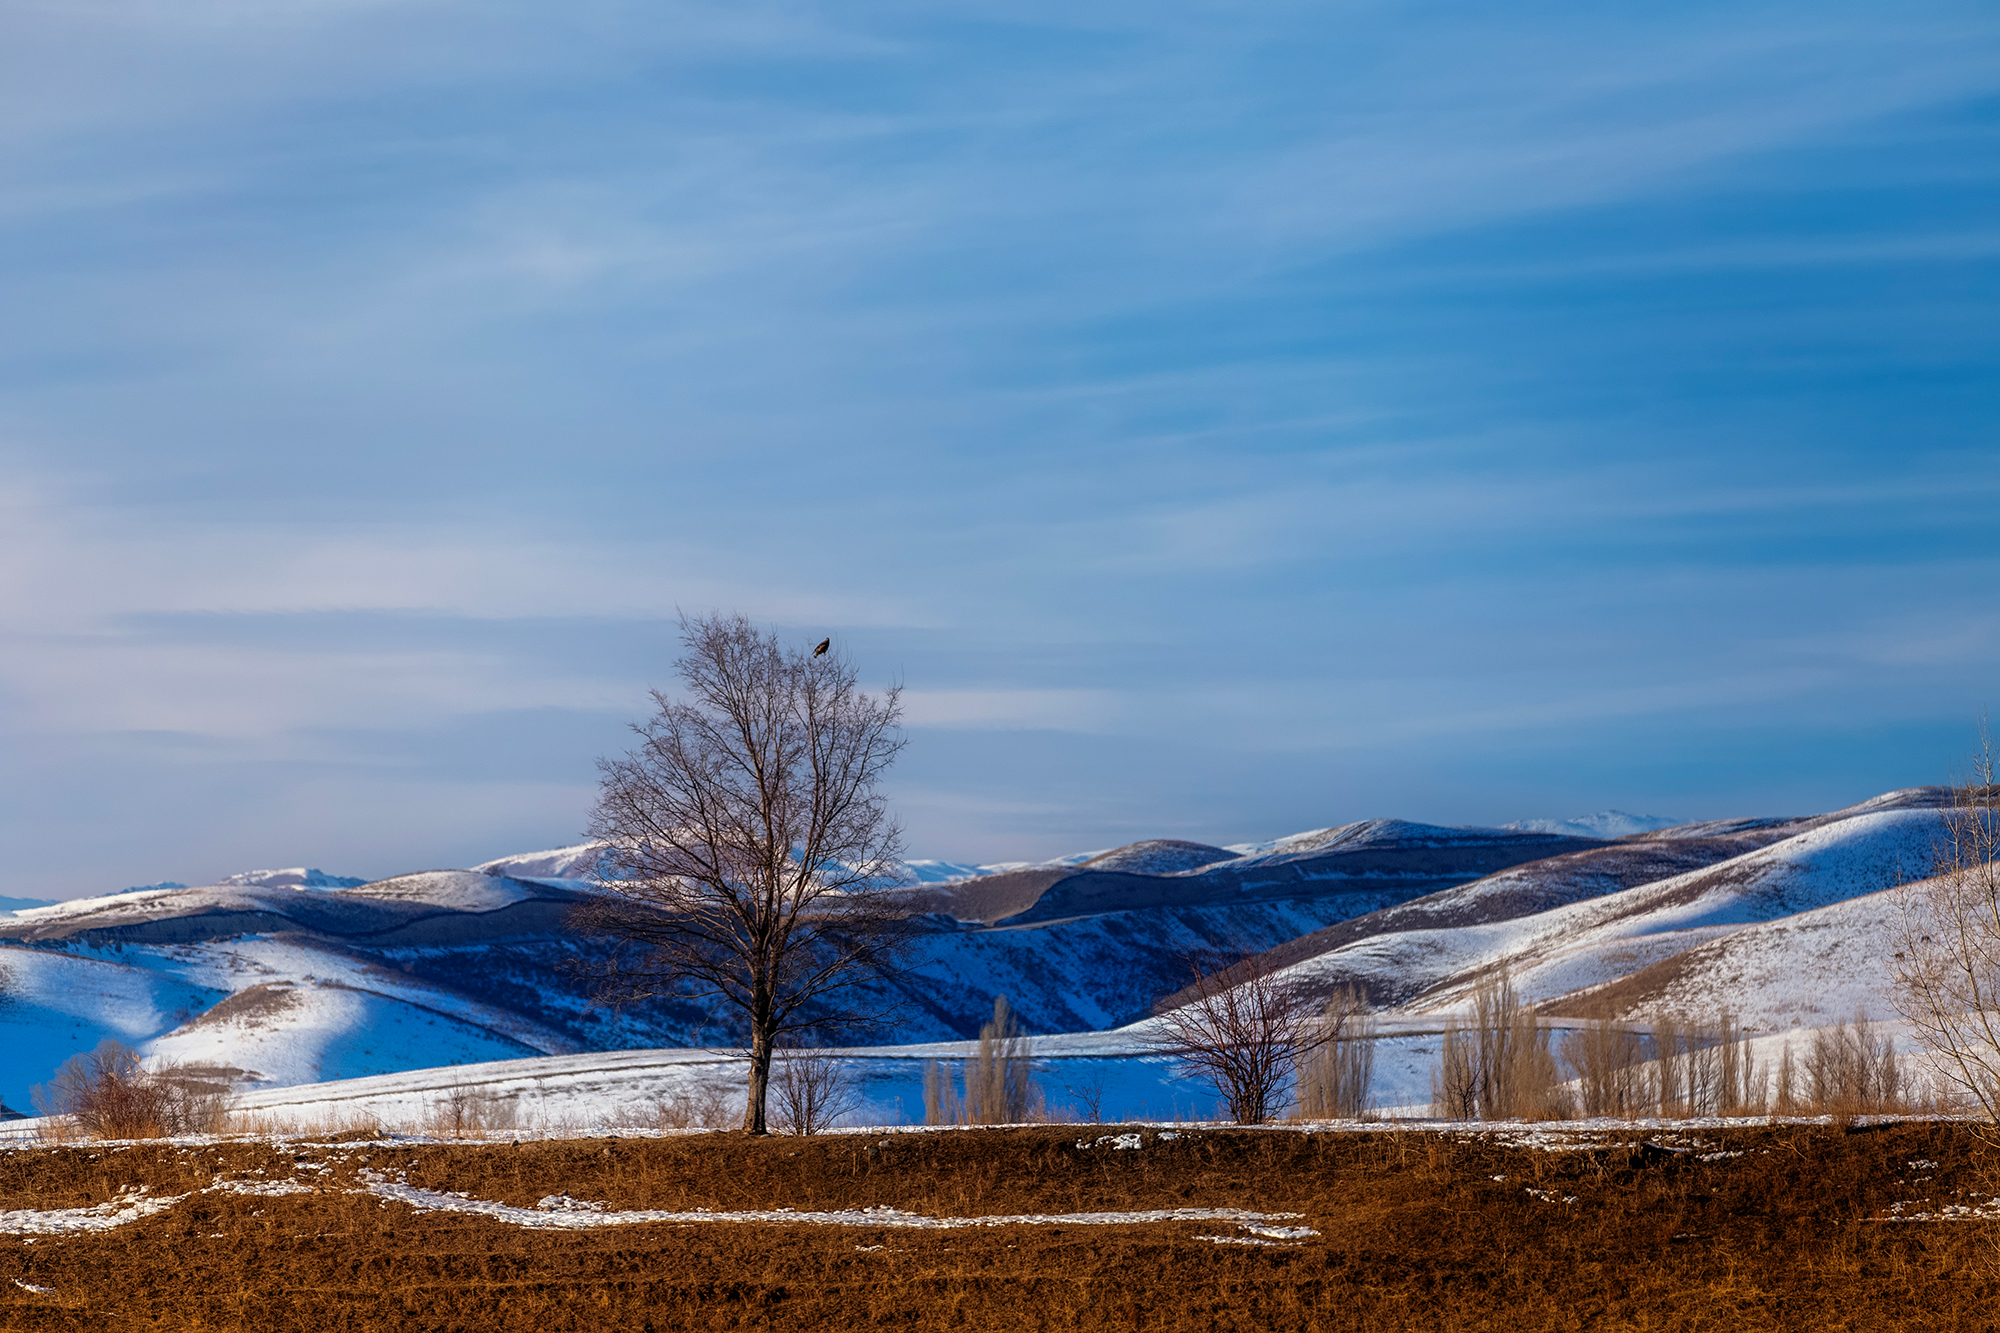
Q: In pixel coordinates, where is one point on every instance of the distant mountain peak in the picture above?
(1603, 824)
(298, 877)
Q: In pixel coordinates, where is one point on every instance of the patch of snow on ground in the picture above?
(72, 1221)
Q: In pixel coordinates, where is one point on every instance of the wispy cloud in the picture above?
(1190, 405)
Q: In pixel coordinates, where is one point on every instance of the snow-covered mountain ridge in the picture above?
(1603, 824)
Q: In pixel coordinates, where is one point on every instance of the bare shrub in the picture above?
(1499, 1066)
(1741, 1082)
(813, 1090)
(1785, 1101)
(1853, 1070)
(468, 1112)
(1243, 1033)
(1948, 946)
(700, 1107)
(1089, 1096)
(998, 1088)
(108, 1094)
(1609, 1064)
(1334, 1075)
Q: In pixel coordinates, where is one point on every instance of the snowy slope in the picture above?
(1603, 824)
(1807, 970)
(1159, 856)
(279, 982)
(1602, 939)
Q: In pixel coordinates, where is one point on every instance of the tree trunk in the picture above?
(763, 1037)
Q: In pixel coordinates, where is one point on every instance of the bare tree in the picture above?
(1089, 1094)
(1743, 1080)
(747, 849)
(998, 1088)
(1948, 987)
(1244, 1031)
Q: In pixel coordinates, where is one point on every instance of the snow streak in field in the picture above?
(70, 1221)
(561, 1213)
(131, 1207)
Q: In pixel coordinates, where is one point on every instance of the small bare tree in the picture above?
(1948, 986)
(999, 1087)
(1089, 1094)
(1243, 1031)
(747, 849)
(814, 1090)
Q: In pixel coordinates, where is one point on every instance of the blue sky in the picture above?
(1224, 420)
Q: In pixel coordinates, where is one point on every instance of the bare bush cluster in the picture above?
(700, 1107)
(1609, 1062)
(1676, 1067)
(1335, 1071)
(108, 1094)
(469, 1113)
(1704, 1069)
(995, 1087)
(1853, 1071)
(1499, 1065)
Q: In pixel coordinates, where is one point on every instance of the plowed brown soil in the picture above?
(1417, 1231)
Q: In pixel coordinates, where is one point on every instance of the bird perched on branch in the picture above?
(824, 644)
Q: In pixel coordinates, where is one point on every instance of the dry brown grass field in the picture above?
(1758, 1227)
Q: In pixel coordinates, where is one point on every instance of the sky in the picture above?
(1222, 420)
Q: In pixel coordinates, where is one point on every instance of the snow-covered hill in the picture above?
(288, 976)
(1669, 940)
(284, 978)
